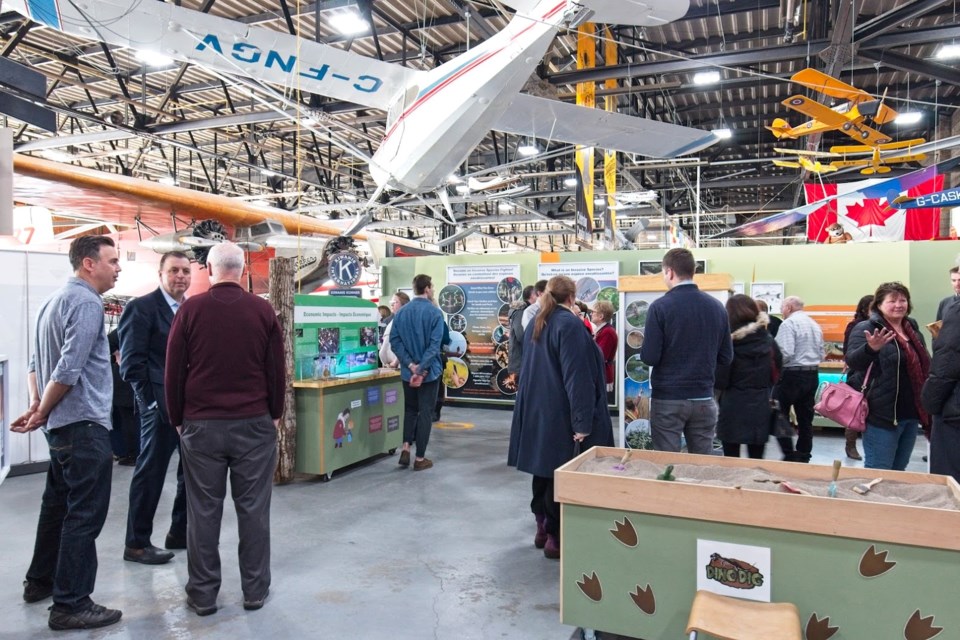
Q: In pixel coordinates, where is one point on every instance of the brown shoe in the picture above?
(404, 458)
(420, 465)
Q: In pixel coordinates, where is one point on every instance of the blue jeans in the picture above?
(695, 419)
(72, 513)
(158, 441)
(889, 447)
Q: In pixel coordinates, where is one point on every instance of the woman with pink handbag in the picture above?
(891, 341)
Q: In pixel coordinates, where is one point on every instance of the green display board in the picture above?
(334, 337)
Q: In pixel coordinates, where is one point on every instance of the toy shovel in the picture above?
(832, 489)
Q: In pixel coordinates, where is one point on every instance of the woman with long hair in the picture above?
(561, 401)
(862, 313)
(890, 344)
(746, 383)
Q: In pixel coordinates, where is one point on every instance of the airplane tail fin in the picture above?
(626, 12)
(778, 127)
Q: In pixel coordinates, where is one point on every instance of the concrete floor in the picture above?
(378, 553)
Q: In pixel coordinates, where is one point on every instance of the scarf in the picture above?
(918, 366)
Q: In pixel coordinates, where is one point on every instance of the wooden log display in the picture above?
(281, 297)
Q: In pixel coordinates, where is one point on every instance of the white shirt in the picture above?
(800, 340)
(529, 314)
(174, 305)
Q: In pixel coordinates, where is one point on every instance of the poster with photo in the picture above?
(476, 304)
(634, 373)
(769, 292)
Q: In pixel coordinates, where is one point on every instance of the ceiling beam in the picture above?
(894, 18)
(902, 62)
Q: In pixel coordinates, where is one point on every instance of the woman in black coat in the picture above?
(746, 383)
(941, 396)
(890, 341)
(561, 400)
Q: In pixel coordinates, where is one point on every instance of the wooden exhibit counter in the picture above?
(634, 550)
(344, 420)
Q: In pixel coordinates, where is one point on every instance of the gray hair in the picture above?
(226, 257)
(793, 302)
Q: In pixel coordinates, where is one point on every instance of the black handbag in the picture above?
(780, 426)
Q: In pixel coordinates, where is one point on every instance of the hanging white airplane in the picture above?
(435, 118)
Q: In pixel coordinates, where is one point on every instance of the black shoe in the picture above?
(147, 555)
(92, 617)
(253, 605)
(201, 611)
(175, 542)
(127, 461)
(34, 591)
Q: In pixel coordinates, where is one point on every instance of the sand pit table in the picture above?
(885, 565)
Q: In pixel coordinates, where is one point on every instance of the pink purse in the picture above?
(844, 404)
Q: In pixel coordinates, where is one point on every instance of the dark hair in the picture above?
(954, 269)
(741, 310)
(582, 306)
(888, 288)
(863, 308)
(681, 262)
(402, 297)
(762, 306)
(172, 254)
(559, 289)
(540, 286)
(420, 283)
(88, 247)
(384, 311)
(527, 292)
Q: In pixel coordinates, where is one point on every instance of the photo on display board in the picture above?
(587, 289)
(506, 382)
(457, 345)
(502, 355)
(458, 323)
(368, 336)
(503, 315)
(636, 313)
(451, 299)
(611, 295)
(509, 290)
(455, 373)
(654, 267)
(635, 339)
(637, 369)
(328, 340)
(500, 335)
(769, 292)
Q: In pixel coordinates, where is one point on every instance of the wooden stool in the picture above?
(735, 619)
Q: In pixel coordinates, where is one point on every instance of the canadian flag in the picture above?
(868, 220)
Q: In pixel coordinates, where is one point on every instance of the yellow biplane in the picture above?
(876, 163)
(848, 117)
(806, 160)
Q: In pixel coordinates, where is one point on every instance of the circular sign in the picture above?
(344, 269)
(451, 299)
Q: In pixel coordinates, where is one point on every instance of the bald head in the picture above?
(225, 262)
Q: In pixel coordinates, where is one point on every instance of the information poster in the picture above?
(635, 416)
(334, 337)
(476, 303)
(595, 281)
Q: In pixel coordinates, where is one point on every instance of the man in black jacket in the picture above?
(949, 300)
(144, 327)
(940, 396)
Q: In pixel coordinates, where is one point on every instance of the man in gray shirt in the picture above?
(71, 394)
(801, 341)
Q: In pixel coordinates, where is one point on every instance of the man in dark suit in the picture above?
(955, 283)
(144, 327)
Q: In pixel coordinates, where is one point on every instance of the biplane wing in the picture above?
(834, 120)
(830, 86)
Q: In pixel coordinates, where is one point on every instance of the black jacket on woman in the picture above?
(889, 369)
(940, 393)
(745, 385)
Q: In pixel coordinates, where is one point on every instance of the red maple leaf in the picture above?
(871, 212)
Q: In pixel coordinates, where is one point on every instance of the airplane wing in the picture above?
(946, 198)
(821, 113)
(226, 46)
(880, 189)
(829, 86)
(547, 119)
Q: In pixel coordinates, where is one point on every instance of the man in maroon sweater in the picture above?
(225, 382)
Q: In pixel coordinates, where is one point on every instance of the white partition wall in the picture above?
(26, 279)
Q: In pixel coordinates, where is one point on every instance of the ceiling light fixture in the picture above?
(463, 189)
(706, 77)
(570, 182)
(599, 201)
(454, 179)
(724, 134)
(908, 117)
(504, 207)
(349, 23)
(528, 150)
(948, 52)
(170, 181)
(153, 58)
(268, 173)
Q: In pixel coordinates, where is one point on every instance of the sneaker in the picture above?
(420, 465)
(34, 591)
(199, 610)
(93, 617)
(253, 605)
(404, 458)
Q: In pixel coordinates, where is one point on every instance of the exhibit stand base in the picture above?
(634, 550)
(345, 420)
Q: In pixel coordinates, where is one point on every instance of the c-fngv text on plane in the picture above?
(435, 118)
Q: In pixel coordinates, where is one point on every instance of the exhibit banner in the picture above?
(634, 373)
(735, 570)
(334, 337)
(476, 302)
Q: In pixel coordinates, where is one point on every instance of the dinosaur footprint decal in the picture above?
(644, 600)
(590, 586)
(818, 629)
(625, 533)
(873, 564)
(920, 628)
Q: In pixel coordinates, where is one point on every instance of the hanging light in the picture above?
(349, 23)
(948, 51)
(706, 77)
(169, 181)
(908, 117)
(723, 133)
(570, 182)
(528, 150)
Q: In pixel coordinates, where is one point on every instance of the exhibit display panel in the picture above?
(634, 549)
(334, 337)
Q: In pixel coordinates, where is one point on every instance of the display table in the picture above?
(344, 420)
(635, 549)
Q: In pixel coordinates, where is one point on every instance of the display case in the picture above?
(635, 549)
